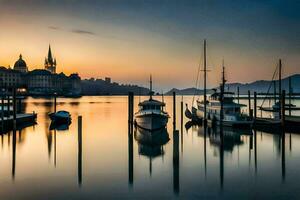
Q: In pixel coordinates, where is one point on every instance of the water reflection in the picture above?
(150, 143)
(93, 162)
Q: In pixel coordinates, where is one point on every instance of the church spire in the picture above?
(50, 62)
(49, 54)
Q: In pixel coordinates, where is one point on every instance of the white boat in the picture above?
(232, 115)
(151, 114)
(223, 101)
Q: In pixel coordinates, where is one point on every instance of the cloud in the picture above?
(80, 31)
(54, 27)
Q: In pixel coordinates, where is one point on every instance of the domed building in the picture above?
(20, 65)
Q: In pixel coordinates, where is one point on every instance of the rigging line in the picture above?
(197, 79)
(270, 86)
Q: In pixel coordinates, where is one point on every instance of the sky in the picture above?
(128, 40)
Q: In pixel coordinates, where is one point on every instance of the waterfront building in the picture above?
(10, 77)
(107, 80)
(40, 81)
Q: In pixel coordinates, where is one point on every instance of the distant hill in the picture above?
(102, 87)
(187, 91)
(260, 86)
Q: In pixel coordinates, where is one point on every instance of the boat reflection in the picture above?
(59, 127)
(150, 143)
(231, 137)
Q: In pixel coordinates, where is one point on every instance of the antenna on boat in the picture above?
(150, 86)
(223, 73)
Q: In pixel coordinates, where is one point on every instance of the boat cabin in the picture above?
(151, 105)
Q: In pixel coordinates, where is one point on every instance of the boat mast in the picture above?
(222, 92)
(274, 83)
(204, 80)
(150, 86)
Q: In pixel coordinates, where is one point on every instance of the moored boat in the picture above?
(221, 108)
(151, 114)
(60, 117)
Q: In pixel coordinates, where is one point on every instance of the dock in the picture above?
(22, 121)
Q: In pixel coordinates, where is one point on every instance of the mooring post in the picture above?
(176, 161)
(181, 112)
(255, 105)
(174, 111)
(238, 94)
(79, 150)
(14, 109)
(2, 113)
(283, 109)
(8, 104)
(249, 104)
(19, 105)
(130, 111)
(181, 123)
(130, 158)
(283, 154)
(54, 103)
(290, 96)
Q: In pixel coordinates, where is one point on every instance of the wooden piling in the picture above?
(176, 161)
(181, 123)
(8, 104)
(283, 153)
(249, 104)
(19, 105)
(181, 112)
(238, 94)
(174, 111)
(14, 109)
(255, 151)
(130, 111)
(255, 107)
(2, 113)
(79, 150)
(54, 103)
(282, 107)
(290, 96)
(130, 158)
(14, 145)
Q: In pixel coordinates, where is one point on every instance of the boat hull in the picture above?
(58, 119)
(151, 121)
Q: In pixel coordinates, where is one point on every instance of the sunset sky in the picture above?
(128, 40)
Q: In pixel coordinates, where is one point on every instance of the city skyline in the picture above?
(128, 41)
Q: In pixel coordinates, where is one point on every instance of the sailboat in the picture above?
(292, 122)
(192, 114)
(221, 108)
(151, 114)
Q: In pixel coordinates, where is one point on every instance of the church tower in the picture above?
(50, 62)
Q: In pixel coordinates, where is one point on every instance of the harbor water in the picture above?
(108, 163)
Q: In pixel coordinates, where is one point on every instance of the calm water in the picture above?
(44, 164)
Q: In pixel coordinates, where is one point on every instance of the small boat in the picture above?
(151, 114)
(60, 117)
(59, 126)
